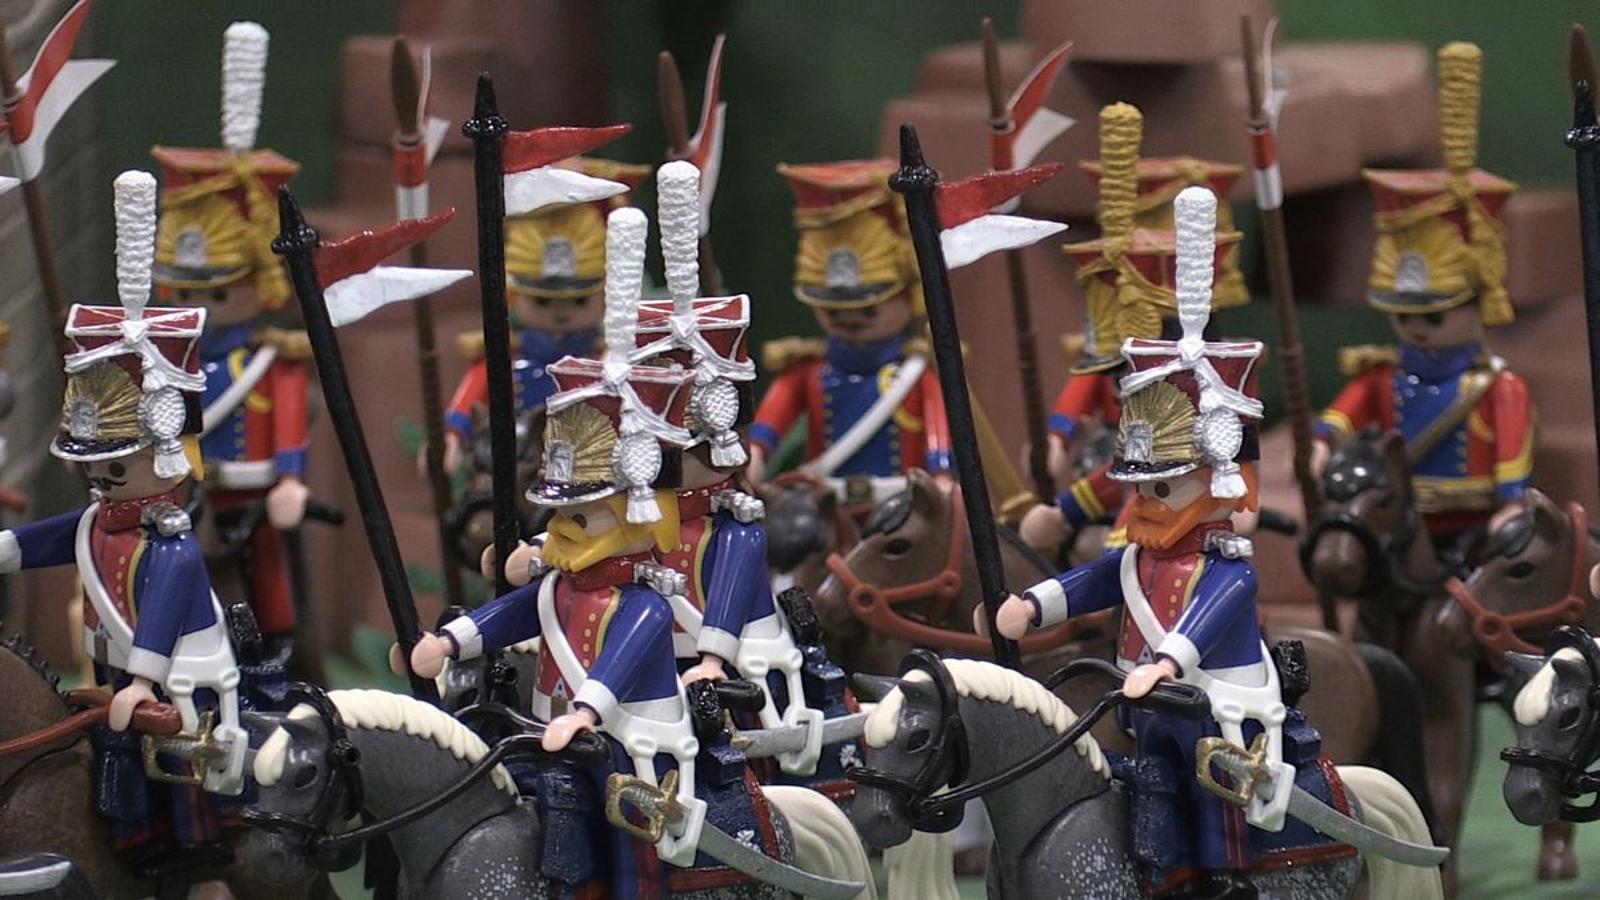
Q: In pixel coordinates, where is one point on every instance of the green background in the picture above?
(807, 81)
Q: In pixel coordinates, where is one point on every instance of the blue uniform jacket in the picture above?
(734, 582)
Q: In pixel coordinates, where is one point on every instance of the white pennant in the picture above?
(971, 241)
(69, 84)
(535, 189)
(353, 297)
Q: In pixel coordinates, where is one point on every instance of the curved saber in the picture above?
(1329, 821)
(759, 743)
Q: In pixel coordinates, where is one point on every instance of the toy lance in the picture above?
(337, 284)
(1020, 127)
(703, 148)
(33, 105)
(1262, 122)
(952, 225)
(415, 143)
(1584, 139)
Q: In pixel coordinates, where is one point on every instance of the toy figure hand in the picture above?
(452, 452)
(709, 667)
(1014, 618)
(1141, 680)
(558, 734)
(756, 469)
(1594, 581)
(1044, 528)
(127, 700)
(1320, 453)
(519, 566)
(1245, 521)
(1504, 514)
(429, 655)
(286, 503)
(1057, 460)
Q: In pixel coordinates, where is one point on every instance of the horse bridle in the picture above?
(1571, 769)
(1497, 632)
(344, 762)
(874, 606)
(1385, 555)
(931, 808)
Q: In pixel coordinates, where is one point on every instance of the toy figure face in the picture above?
(583, 535)
(1164, 511)
(561, 316)
(129, 477)
(868, 323)
(1440, 330)
(230, 304)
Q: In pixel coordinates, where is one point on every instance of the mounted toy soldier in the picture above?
(555, 270)
(872, 404)
(1438, 270)
(1128, 275)
(607, 662)
(151, 622)
(1187, 439)
(213, 252)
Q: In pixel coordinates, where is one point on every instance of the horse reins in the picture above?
(1497, 632)
(1571, 769)
(150, 718)
(1387, 553)
(874, 606)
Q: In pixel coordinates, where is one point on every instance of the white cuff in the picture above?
(148, 664)
(715, 640)
(1052, 601)
(1181, 650)
(10, 553)
(469, 640)
(597, 697)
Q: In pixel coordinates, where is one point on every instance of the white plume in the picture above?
(244, 79)
(134, 203)
(678, 209)
(1196, 211)
(627, 231)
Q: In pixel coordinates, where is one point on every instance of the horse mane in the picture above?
(1533, 701)
(375, 710)
(29, 655)
(985, 681)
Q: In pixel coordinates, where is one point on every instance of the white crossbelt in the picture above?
(221, 408)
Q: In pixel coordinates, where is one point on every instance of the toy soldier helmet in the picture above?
(855, 249)
(1190, 403)
(133, 377)
(559, 251)
(706, 335)
(219, 213)
(610, 423)
(1129, 273)
(1441, 238)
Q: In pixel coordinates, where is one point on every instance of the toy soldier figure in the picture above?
(1187, 439)
(1128, 276)
(872, 404)
(151, 622)
(555, 269)
(213, 252)
(1438, 270)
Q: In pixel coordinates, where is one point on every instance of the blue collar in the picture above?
(864, 359)
(1439, 365)
(545, 347)
(217, 343)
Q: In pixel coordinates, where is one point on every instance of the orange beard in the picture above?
(1154, 524)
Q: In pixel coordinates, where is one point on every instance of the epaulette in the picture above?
(664, 580)
(291, 344)
(745, 508)
(779, 355)
(469, 344)
(1363, 358)
(1230, 545)
(168, 518)
(1072, 344)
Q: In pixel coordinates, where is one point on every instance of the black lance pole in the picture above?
(297, 244)
(917, 182)
(1584, 139)
(487, 131)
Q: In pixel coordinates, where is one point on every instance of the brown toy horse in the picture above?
(1531, 579)
(47, 796)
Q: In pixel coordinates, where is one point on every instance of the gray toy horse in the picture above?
(1061, 830)
(1557, 715)
(342, 754)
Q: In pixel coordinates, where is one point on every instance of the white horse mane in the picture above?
(1533, 701)
(384, 711)
(995, 684)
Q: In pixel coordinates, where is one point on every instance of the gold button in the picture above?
(593, 616)
(588, 632)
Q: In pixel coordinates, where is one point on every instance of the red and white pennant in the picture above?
(49, 88)
(1033, 125)
(532, 181)
(971, 230)
(413, 160)
(353, 282)
(705, 148)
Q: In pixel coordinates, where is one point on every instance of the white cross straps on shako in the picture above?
(1190, 403)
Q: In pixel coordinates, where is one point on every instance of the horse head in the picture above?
(914, 743)
(804, 523)
(1367, 510)
(1557, 726)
